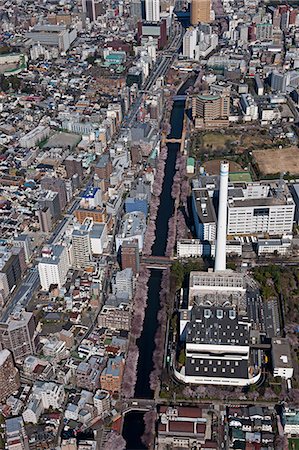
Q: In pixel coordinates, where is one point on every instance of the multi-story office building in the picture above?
(130, 256)
(210, 110)
(93, 9)
(152, 10)
(56, 185)
(88, 374)
(249, 107)
(264, 31)
(132, 228)
(102, 401)
(45, 219)
(190, 42)
(98, 215)
(103, 167)
(136, 9)
(91, 198)
(53, 266)
(24, 241)
(200, 11)
(73, 166)
(9, 375)
(282, 358)
(18, 334)
(123, 282)
(204, 215)
(255, 208)
(259, 208)
(10, 272)
(50, 200)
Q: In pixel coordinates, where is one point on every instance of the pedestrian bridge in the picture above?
(157, 262)
(138, 404)
(173, 141)
(179, 97)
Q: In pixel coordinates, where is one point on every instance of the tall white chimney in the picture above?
(220, 259)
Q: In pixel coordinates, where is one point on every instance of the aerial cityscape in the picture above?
(149, 216)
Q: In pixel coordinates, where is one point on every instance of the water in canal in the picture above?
(133, 424)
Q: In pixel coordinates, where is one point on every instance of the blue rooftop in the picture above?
(90, 192)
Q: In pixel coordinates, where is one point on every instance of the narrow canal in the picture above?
(133, 424)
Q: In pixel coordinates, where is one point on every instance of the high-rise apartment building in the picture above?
(56, 185)
(73, 166)
(264, 31)
(24, 241)
(10, 272)
(53, 266)
(123, 282)
(93, 9)
(81, 247)
(44, 219)
(152, 10)
(130, 256)
(136, 9)
(103, 167)
(18, 335)
(189, 43)
(49, 199)
(9, 375)
(200, 11)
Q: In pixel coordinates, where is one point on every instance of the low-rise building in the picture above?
(132, 228)
(101, 401)
(111, 377)
(88, 374)
(16, 436)
(281, 358)
(115, 317)
(291, 421)
(184, 427)
(44, 395)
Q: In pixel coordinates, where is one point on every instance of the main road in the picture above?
(164, 60)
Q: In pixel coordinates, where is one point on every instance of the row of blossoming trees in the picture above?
(140, 297)
(176, 229)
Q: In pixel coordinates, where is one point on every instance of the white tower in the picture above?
(220, 260)
(152, 10)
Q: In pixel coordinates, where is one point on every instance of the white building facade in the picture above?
(53, 267)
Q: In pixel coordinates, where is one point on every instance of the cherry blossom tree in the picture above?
(115, 442)
(161, 331)
(130, 372)
(149, 419)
